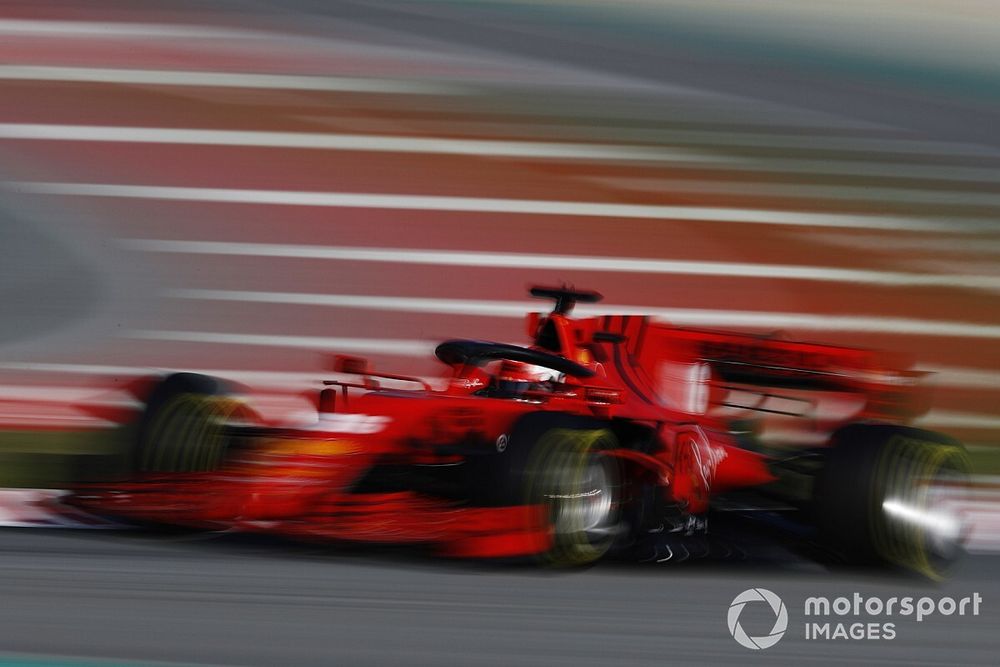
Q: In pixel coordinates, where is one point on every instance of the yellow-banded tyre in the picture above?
(886, 495)
(184, 427)
(557, 463)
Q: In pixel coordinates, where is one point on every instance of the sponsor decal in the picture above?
(707, 457)
(346, 422)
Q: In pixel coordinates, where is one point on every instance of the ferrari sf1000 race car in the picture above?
(604, 435)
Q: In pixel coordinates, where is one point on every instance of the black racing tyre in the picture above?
(882, 497)
(183, 427)
(556, 461)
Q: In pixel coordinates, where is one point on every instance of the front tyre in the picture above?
(558, 464)
(184, 427)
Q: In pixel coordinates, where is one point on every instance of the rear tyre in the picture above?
(884, 497)
(184, 425)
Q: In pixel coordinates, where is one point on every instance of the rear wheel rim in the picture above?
(921, 526)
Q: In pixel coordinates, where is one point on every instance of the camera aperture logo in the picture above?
(777, 607)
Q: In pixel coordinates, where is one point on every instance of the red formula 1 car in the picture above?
(603, 434)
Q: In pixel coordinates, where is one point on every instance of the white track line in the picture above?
(350, 142)
(509, 206)
(147, 77)
(570, 262)
(679, 316)
(115, 29)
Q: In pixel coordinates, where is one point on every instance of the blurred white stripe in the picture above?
(111, 29)
(950, 419)
(511, 148)
(966, 378)
(59, 394)
(934, 244)
(871, 168)
(351, 142)
(32, 420)
(83, 369)
(405, 304)
(573, 262)
(705, 159)
(393, 346)
(912, 195)
(300, 380)
(813, 142)
(145, 77)
(511, 206)
(680, 316)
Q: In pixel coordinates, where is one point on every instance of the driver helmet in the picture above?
(516, 377)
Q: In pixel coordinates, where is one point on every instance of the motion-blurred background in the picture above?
(242, 186)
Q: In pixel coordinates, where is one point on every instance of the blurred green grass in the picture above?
(51, 459)
(985, 460)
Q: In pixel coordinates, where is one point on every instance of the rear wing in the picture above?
(775, 362)
(674, 360)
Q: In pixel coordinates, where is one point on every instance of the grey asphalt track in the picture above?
(142, 598)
